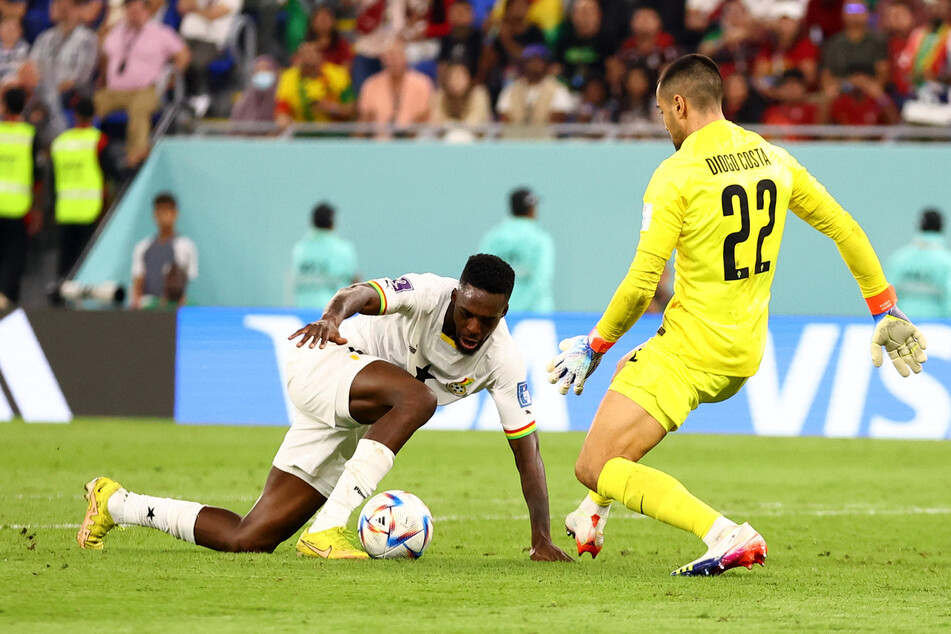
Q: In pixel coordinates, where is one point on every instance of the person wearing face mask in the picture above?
(257, 102)
(313, 89)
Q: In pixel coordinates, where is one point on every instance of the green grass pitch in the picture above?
(858, 532)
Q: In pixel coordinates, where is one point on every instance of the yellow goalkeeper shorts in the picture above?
(659, 382)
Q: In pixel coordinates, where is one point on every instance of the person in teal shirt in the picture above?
(529, 250)
(323, 262)
(921, 271)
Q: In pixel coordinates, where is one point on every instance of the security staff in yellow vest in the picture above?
(17, 176)
(78, 178)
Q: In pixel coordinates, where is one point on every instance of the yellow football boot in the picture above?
(332, 543)
(98, 521)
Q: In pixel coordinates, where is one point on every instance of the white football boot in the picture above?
(737, 546)
(588, 531)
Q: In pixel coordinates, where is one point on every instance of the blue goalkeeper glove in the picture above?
(579, 357)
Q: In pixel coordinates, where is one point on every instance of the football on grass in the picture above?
(395, 525)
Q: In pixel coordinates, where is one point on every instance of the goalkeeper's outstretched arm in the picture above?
(904, 343)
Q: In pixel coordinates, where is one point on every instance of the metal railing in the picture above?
(576, 131)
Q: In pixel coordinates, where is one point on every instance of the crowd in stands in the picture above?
(522, 62)
(535, 62)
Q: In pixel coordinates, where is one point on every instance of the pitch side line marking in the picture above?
(912, 510)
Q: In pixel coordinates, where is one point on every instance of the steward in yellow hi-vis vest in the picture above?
(16, 168)
(720, 201)
(78, 178)
(17, 174)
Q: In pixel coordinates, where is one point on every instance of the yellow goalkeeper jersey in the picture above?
(721, 202)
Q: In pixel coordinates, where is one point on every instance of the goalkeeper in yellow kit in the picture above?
(721, 202)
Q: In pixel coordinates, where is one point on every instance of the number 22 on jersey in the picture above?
(735, 198)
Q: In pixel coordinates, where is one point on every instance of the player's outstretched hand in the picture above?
(547, 551)
(903, 342)
(574, 365)
(320, 333)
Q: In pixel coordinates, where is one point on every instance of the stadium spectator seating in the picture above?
(758, 40)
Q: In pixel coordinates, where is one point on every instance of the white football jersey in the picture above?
(409, 334)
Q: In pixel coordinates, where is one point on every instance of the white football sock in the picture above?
(361, 475)
(720, 525)
(175, 517)
(590, 507)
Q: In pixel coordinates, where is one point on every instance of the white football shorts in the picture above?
(323, 435)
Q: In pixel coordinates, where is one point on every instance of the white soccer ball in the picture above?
(395, 525)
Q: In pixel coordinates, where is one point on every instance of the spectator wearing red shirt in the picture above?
(793, 107)
(862, 101)
(649, 45)
(898, 21)
(788, 47)
(322, 30)
(824, 18)
(437, 19)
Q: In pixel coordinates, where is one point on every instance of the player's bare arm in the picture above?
(531, 469)
(356, 298)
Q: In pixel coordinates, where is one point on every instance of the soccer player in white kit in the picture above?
(360, 389)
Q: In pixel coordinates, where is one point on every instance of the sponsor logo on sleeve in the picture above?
(646, 214)
(524, 396)
(402, 284)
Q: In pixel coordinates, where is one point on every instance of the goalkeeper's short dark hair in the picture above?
(697, 78)
(489, 273)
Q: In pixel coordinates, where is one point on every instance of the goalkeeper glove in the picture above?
(579, 357)
(903, 341)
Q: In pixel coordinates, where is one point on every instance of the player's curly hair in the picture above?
(489, 273)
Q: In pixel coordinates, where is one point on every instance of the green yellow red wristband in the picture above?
(379, 289)
(883, 302)
(597, 342)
